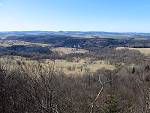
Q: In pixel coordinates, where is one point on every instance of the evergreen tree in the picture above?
(110, 105)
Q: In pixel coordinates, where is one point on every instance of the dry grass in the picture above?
(82, 66)
(75, 67)
(65, 50)
(145, 51)
(12, 43)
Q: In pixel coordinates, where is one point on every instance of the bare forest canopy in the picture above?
(74, 72)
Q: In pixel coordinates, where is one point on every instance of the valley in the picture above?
(69, 71)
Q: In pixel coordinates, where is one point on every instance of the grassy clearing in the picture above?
(12, 43)
(75, 67)
(81, 66)
(65, 50)
(145, 51)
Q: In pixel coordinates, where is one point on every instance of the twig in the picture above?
(100, 91)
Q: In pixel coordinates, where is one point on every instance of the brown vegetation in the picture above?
(35, 89)
(34, 86)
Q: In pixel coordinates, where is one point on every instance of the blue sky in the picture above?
(75, 15)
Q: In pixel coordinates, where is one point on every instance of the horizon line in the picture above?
(71, 31)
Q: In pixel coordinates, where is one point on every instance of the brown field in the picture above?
(145, 51)
(64, 50)
(75, 67)
(12, 43)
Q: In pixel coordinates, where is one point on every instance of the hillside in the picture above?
(74, 72)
